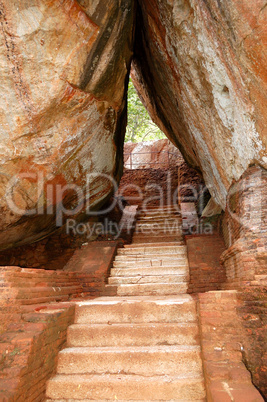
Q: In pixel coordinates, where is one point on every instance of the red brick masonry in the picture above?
(206, 272)
(223, 343)
(35, 312)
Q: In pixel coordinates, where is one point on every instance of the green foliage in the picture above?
(140, 127)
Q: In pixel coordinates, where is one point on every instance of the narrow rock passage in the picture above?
(143, 344)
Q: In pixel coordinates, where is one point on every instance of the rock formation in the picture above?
(200, 68)
(64, 70)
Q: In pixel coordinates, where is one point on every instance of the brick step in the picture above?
(164, 249)
(43, 284)
(155, 262)
(47, 291)
(152, 289)
(41, 299)
(147, 279)
(139, 309)
(132, 334)
(122, 387)
(138, 360)
(149, 271)
(36, 274)
(46, 280)
(40, 273)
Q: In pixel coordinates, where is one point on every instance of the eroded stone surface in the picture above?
(200, 69)
(62, 107)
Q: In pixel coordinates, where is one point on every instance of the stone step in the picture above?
(122, 387)
(160, 217)
(149, 256)
(155, 244)
(172, 205)
(142, 309)
(161, 271)
(170, 221)
(152, 289)
(260, 279)
(159, 225)
(161, 208)
(155, 213)
(121, 400)
(147, 279)
(155, 216)
(138, 360)
(155, 235)
(132, 334)
(131, 258)
(153, 239)
(152, 250)
(160, 212)
(157, 231)
(155, 262)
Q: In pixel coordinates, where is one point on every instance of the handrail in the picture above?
(145, 153)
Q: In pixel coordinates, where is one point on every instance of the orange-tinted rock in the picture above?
(64, 67)
(200, 67)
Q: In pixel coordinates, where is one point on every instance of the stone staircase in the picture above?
(143, 343)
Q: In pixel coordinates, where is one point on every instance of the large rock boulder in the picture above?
(200, 68)
(64, 68)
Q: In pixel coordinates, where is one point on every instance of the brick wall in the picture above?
(32, 331)
(245, 262)
(29, 351)
(222, 342)
(245, 230)
(206, 272)
(252, 310)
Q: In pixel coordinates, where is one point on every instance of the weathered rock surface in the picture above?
(64, 68)
(200, 67)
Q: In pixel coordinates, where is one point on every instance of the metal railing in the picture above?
(131, 163)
